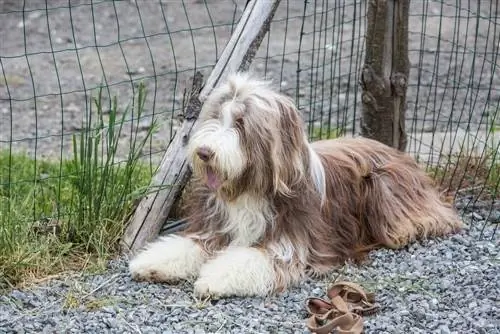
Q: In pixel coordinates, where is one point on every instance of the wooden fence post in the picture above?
(384, 78)
(173, 173)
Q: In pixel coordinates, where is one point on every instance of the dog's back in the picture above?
(391, 200)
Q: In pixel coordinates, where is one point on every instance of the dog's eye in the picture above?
(238, 122)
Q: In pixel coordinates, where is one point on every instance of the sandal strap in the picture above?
(347, 323)
(348, 287)
(343, 312)
(317, 306)
(359, 301)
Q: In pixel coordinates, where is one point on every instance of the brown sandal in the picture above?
(343, 313)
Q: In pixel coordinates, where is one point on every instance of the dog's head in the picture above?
(249, 139)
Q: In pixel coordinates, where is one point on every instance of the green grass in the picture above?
(70, 214)
(468, 174)
(325, 132)
(472, 171)
(465, 173)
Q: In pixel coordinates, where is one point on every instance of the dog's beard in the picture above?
(228, 160)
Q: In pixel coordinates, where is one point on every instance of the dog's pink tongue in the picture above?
(213, 181)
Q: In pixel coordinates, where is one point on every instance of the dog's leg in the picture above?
(169, 259)
(237, 271)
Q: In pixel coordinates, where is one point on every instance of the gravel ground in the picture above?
(439, 286)
(448, 285)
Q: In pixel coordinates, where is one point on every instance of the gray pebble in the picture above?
(440, 286)
(477, 216)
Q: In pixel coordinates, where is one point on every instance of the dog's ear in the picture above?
(291, 147)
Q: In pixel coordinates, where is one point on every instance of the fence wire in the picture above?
(315, 50)
(56, 55)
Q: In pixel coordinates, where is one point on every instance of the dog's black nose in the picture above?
(204, 153)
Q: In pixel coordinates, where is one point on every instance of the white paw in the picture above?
(238, 271)
(169, 259)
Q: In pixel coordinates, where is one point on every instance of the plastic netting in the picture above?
(315, 50)
(56, 54)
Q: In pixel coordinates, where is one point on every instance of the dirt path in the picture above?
(51, 54)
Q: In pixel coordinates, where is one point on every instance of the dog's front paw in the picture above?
(238, 271)
(169, 259)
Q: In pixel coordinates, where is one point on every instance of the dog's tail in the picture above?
(401, 206)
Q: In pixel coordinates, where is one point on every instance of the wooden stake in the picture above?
(384, 78)
(174, 172)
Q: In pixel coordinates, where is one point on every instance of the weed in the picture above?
(70, 302)
(98, 303)
(70, 214)
(325, 132)
(473, 170)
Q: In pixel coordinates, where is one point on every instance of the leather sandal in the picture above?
(343, 312)
(359, 301)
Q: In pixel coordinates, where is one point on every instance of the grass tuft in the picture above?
(325, 132)
(468, 174)
(70, 214)
(472, 171)
(475, 169)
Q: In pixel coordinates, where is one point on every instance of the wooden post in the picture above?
(384, 78)
(174, 172)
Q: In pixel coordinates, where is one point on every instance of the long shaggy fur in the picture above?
(268, 208)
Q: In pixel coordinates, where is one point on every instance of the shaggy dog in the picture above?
(268, 208)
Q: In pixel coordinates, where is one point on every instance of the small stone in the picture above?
(34, 15)
(445, 284)
(73, 108)
(494, 217)
(477, 216)
(109, 309)
(444, 329)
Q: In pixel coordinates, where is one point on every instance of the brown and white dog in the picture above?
(268, 208)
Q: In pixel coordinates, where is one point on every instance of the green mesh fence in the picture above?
(315, 49)
(56, 55)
